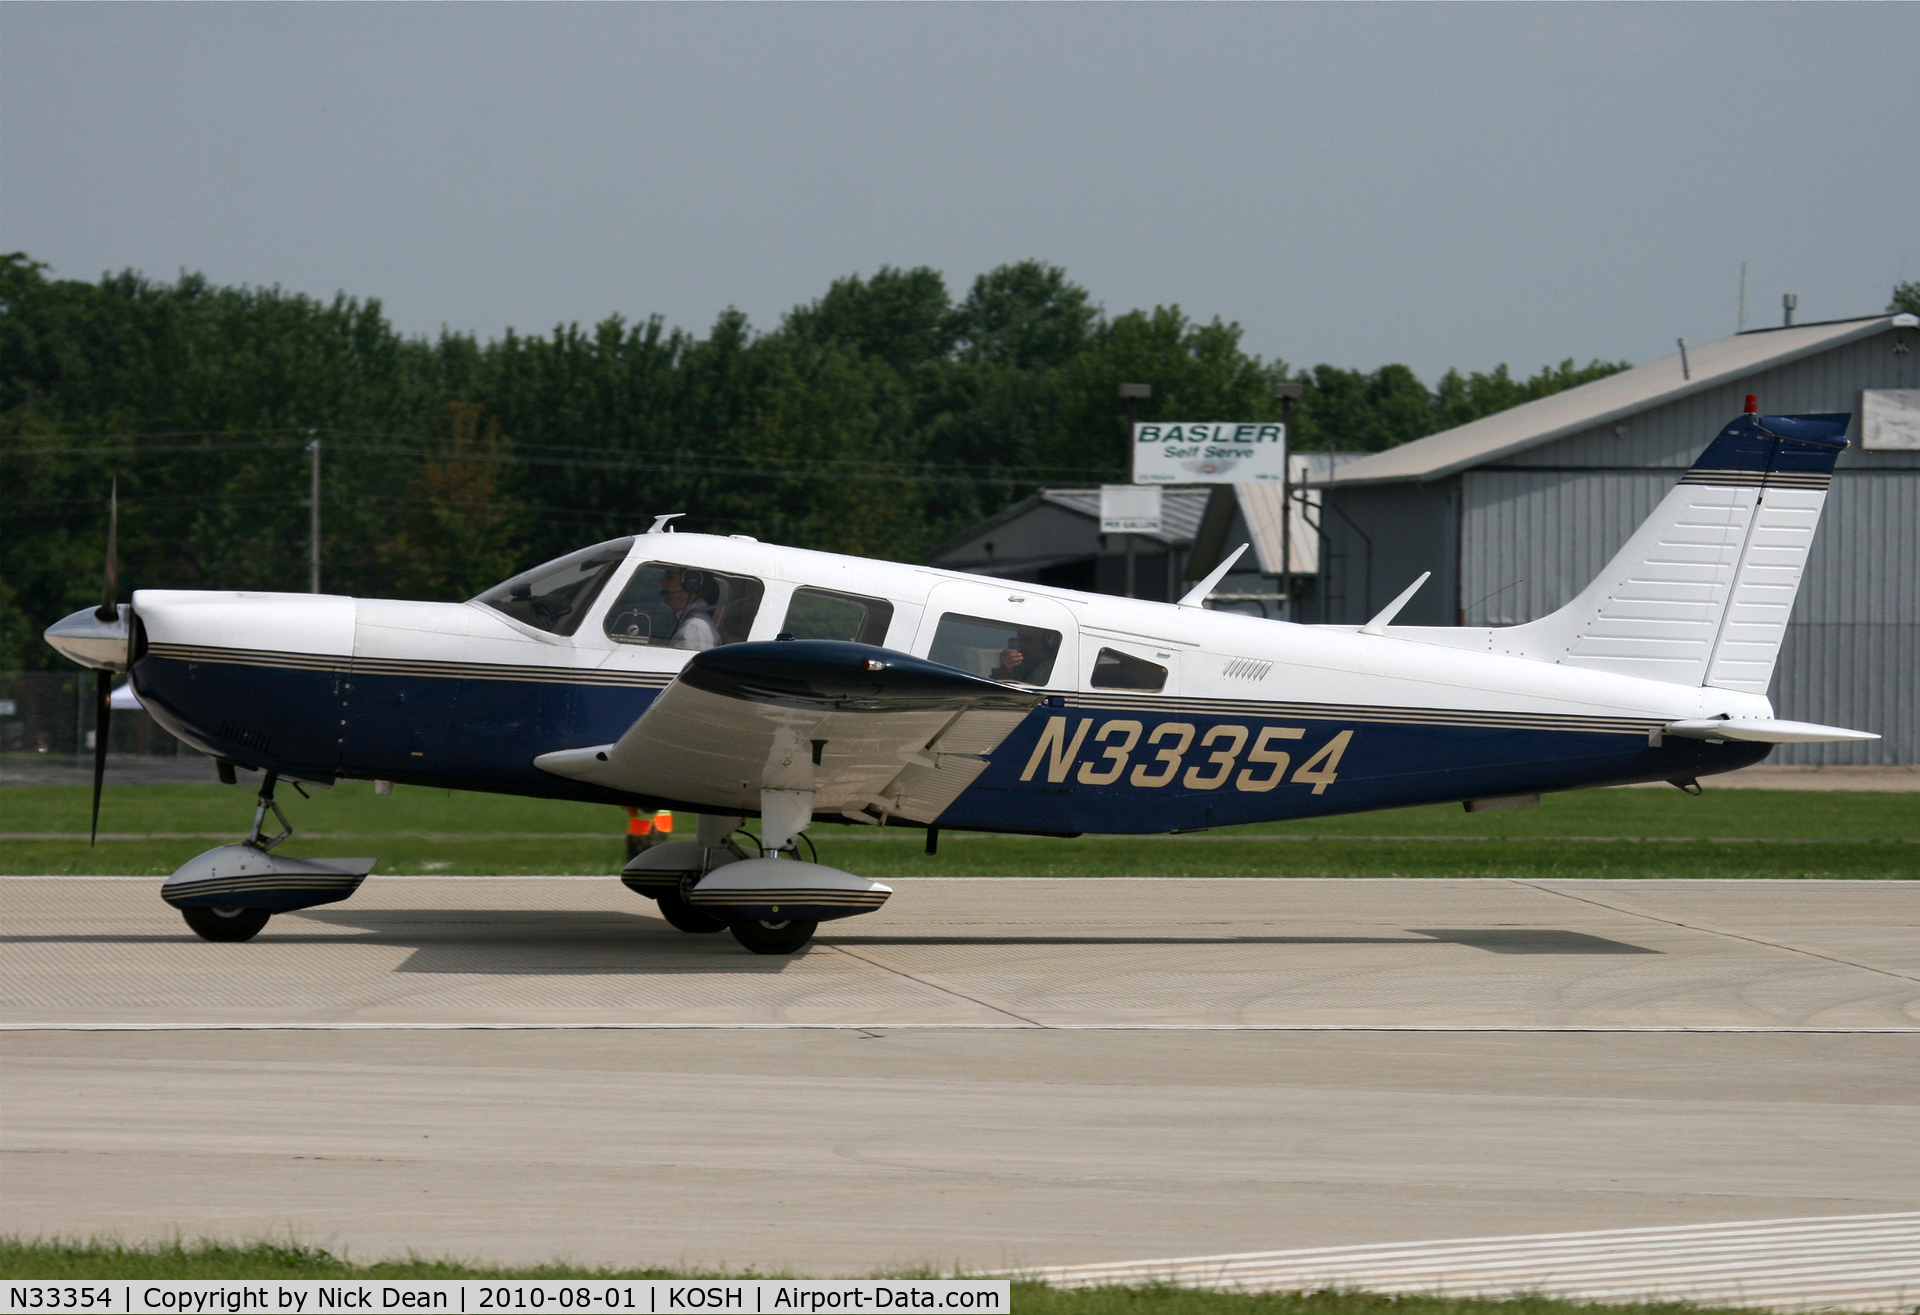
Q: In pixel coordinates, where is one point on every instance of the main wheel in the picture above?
(226, 924)
(676, 909)
(773, 937)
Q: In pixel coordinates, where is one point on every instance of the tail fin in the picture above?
(1701, 593)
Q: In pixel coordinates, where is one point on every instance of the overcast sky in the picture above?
(1435, 184)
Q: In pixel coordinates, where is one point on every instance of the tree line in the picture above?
(880, 419)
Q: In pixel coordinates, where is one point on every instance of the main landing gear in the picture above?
(771, 903)
(230, 893)
(231, 924)
(764, 936)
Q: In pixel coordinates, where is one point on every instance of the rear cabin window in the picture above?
(1115, 670)
(665, 605)
(998, 650)
(556, 597)
(824, 614)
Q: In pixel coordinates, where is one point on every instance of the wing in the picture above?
(871, 732)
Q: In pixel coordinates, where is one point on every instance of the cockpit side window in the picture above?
(556, 597)
(824, 614)
(1113, 669)
(667, 605)
(998, 650)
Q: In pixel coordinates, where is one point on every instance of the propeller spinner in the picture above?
(101, 638)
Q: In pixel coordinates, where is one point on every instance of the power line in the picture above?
(572, 456)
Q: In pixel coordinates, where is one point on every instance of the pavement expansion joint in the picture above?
(934, 985)
(1059, 953)
(1718, 931)
(1022, 1025)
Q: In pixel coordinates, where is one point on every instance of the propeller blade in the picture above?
(102, 714)
(110, 592)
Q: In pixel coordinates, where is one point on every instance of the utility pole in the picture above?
(1286, 393)
(1133, 394)
(313, 513)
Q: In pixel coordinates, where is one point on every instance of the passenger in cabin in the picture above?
(691, 595)
(1027, 658)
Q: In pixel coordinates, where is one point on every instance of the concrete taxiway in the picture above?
(987, 1073)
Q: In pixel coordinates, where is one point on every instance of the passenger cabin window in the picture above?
(556, 597)
(823, 614)
(997, 650)
(670, 606)
(1116, 670)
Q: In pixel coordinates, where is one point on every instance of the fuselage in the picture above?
(1158, 717)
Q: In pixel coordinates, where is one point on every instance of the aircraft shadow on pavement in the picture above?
(539, 941)
(566, 942)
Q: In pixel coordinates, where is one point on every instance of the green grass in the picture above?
(1596, 833)
(60, 1260)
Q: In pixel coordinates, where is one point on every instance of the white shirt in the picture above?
(694, 628)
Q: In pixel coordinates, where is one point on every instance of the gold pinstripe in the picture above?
(1757, 479)
(1370, 715)
(265, 882)
(1089, 701)
(250, 657)
(833, 899)
(1095, 701)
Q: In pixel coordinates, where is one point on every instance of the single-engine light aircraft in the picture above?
(730, 678)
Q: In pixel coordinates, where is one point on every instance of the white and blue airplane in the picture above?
(730, 678)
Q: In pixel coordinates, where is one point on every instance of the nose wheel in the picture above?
(226, 924)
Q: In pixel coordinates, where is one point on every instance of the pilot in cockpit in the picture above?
(691, 594)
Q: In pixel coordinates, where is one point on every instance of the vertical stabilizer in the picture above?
(1701, 593)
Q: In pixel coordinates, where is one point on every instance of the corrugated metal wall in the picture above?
(1532, 539)
(1550, 518)
(1377, 541)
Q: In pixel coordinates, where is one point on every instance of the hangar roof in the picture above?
(1604, 400)
(1180, 510)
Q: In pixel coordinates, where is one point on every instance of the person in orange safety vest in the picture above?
(644, 829)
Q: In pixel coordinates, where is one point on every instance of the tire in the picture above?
(226, 924)
(681, 914)
(773, 937)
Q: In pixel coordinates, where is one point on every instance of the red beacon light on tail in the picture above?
(1753, 404)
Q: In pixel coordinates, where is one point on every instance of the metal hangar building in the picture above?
(1516, 512)
(1054, 538)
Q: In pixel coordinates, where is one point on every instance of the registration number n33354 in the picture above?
(1226, 755)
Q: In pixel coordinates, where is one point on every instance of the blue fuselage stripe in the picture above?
(1102, 763)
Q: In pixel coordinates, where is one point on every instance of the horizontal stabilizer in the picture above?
(1764, 730)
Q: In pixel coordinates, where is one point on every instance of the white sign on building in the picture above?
(1221, 452)
(1129, 509)
(1890, 419)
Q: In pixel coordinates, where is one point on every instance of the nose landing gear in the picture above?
(229, 893)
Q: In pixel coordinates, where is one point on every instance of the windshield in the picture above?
(557, 596)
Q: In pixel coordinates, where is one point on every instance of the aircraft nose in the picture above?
(91, 642)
